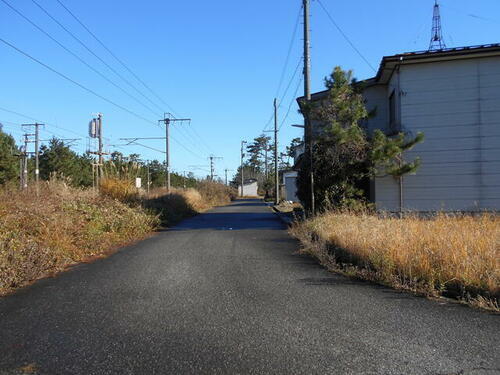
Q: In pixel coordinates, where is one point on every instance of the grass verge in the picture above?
(446, 255)
(44, 235)
(41, 236)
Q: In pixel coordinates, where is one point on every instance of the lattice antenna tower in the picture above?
(437, 41)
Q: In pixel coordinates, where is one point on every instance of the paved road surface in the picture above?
(224, 293)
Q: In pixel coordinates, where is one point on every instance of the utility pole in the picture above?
(276, 171)
(184, 183)
(243, 143)
(37, 154)
(225, 171)
(95, 131)
(25, 162)
(308, 130)
(21, 168)
(265, 152)
(149, 176)
(37, 151)
(212, 159)
(167, 120)
(101, 159)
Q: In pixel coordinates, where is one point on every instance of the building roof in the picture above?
(389, 63)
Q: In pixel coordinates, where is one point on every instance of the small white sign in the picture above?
(138, 182)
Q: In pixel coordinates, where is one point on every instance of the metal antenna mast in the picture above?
(437, 41)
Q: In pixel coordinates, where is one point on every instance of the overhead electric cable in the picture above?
(284, 93)
(345, 36)
(291, 79)
(114, 56)
(74, 82)
(291, 103)
(96, 55)
(73, 53)
(294, 34)
(38, 120)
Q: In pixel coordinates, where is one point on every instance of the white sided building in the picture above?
(453, 97)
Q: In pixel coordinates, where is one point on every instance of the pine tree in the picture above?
(9, 161)
(58, 160)
(345, 155)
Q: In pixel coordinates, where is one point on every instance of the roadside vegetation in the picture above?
(445, 255)
(346, 153)
(64, 225)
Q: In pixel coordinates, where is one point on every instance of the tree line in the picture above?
(58, 160)
(259, 163)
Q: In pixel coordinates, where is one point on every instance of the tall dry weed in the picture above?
(122, 189)
(447, 254)
(63, 225)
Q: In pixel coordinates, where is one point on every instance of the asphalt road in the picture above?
(225, 293)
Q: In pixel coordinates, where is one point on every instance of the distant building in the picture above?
(250, 188)
(289, 190)
(453, 97)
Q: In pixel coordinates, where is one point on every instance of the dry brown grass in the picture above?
(120, 189)
(444, 255)
(179, 203)
(63, 226)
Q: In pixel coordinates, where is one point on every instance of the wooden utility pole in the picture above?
(212, 159)
(25, 162)
(167, 120)
(149, 177)
(308, 129)
(95, 131)
(265, 157)
(37, 154)
(243, 143)
(101, 158)
(225, 171)
(276, 164)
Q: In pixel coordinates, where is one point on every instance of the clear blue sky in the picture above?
(217, 62)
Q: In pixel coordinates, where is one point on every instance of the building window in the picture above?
(392, 111)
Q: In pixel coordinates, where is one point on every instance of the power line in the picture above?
(478, 17)
(185, 148)
(190, 138)
(291, 79)
(285, 92)
(97, 56)
(68, 50)
(73, 81)
(345, 36)
(16, 124)
(294, 34)
(38, 120)
(114, 56)
(197, 135)
(88, 49)
(291, 103)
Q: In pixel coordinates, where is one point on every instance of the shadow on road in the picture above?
(231, 221)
